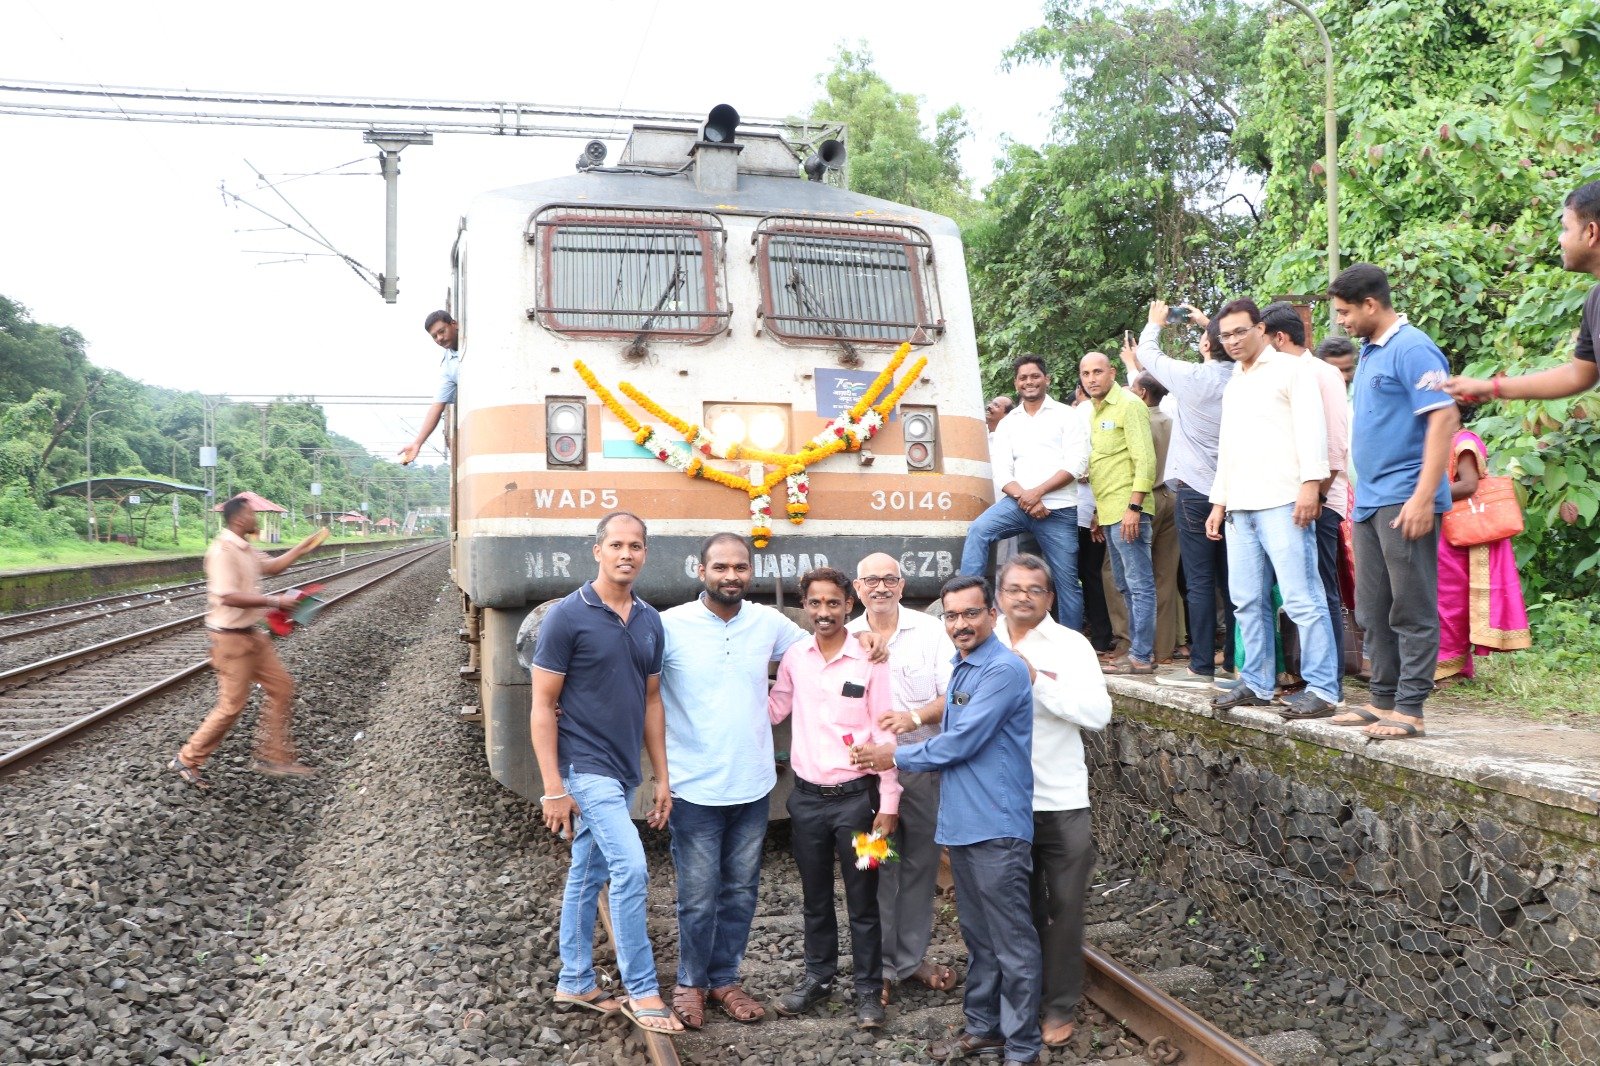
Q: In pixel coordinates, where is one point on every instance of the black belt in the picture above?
(224, 629)
(848, 788)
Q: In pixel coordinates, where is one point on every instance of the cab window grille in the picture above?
(854, 282)
(615, 272)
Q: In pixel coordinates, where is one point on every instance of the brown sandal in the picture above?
(738, 1004)
(690, 1004)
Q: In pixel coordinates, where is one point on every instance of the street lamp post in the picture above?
(88, 469)
(1330, 136)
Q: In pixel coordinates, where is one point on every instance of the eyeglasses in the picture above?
(971, 614)
(1034, 591)
(1235, 334)
(890, 582)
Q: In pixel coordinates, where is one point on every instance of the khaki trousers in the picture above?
(1164, 558)
(240, 660)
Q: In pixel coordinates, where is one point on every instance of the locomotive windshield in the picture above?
(829, 281)
(615, 272)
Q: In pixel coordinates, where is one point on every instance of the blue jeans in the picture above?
(717, 853)
(1205, 570)
(1057, 534)
(606, 848)
(1261, 544)
(1134, 573)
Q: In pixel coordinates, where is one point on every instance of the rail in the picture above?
(1172, 1033)
(13, 680)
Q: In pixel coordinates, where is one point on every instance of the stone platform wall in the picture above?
(1435, 895)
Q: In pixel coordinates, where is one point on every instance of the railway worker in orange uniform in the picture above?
(241, 651)
(599, 658)
(1069, 695)
(920, 655)
(446, 334)
(837, 697)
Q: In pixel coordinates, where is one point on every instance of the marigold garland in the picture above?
(847, 432)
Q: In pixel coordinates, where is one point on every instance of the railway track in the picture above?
(23, 624)
(45, 702)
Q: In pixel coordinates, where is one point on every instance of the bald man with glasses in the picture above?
(920, 655)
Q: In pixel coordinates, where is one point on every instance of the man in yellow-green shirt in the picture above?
(1122, 471)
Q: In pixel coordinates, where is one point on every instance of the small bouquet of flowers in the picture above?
(873, 850)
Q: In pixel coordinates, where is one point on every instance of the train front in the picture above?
(682, 336)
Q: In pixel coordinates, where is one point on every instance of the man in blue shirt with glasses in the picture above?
(985, 759)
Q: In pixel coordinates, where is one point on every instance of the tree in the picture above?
(1133, 196)
(889, 155)
(1464, 128)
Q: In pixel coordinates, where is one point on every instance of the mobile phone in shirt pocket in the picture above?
(853, 690)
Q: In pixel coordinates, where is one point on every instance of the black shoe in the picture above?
(806, 994)
(869, 1012)
(1242, 696)
(1305, 704)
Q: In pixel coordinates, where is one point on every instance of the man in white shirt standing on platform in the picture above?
(1039, 450)
(1272, 457)
(1069, 695)
(920, 660)
(1286, 332)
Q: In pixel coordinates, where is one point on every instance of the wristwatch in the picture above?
(916, 719)
(1135, 507)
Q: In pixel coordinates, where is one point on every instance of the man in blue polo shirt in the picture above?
(985, 759)
(1401, 431)
(599, 658)
(719, 743)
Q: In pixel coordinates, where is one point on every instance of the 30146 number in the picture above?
(912, 500)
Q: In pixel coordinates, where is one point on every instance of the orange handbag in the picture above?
(1492, 513)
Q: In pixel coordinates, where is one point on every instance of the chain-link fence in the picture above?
(1440, 901)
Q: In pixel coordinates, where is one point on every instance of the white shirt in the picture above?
(1029, 449)
(921, 659)
(1274, 435)
(1069, 694)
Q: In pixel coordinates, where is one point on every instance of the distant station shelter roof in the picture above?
(257, 503)
(121, 488)
(339, 516)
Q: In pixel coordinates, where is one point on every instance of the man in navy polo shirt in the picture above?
(599, 657)
(1402, 428)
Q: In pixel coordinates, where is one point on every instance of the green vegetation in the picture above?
(48, 391)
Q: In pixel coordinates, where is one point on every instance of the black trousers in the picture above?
(1397, 604)
(821, 829)
(1063, 859)
(1096, 616)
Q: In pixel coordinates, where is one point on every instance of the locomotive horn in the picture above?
(594, 153)
(828, 156)
(720, 125)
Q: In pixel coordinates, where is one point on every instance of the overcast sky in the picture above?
(118, 228)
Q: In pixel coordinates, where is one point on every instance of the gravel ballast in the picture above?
(402, 907)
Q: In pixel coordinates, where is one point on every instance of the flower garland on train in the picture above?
(846, 432)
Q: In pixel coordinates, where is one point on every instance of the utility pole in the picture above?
(390, 144)
(88, 470)
(1330, 138)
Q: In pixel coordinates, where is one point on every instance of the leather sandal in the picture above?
(738, 1004)
(690, 1003)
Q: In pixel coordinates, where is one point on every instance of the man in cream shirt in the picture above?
(1069, 695)
(1272, 458)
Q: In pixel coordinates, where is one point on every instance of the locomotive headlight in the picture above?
(565, 420)
(728, 428)
(754, 425)
(920, 427)
(767, 430)
(566, 431)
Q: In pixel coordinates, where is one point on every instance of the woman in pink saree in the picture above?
(1480, 596)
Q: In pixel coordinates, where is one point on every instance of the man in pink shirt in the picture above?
(837, 697)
